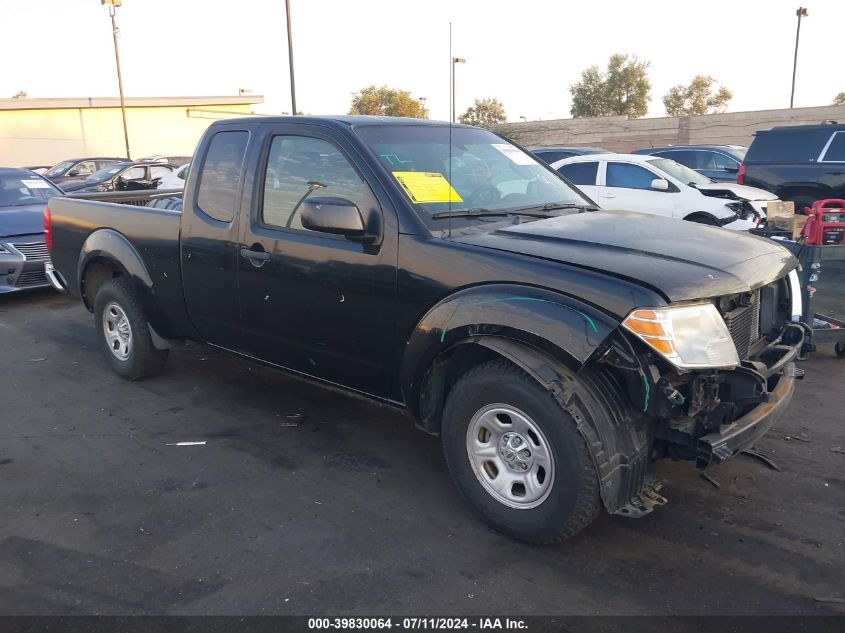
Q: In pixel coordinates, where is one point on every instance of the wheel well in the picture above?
(701, 216)
(442, 375)
(96, 273)
(796, 192)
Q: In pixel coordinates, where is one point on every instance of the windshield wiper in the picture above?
(479, 212)
(555, 206)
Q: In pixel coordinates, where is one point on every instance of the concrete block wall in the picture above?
(620, 134)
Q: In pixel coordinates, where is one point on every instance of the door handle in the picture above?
(255, 256)
(608, 196)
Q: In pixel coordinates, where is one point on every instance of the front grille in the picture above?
(31, 278)
(33, 251)
(743, 322)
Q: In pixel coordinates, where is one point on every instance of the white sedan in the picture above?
(176, 178)
(660, 186)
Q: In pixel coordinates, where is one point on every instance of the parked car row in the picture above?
(661, 186)
(799, 164)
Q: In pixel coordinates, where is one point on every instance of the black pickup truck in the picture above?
(557, 349)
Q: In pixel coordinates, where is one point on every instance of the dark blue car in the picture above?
(550, 155)
(717, 162)
(23, 251)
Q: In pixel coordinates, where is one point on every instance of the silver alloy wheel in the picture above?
(117, 331)
(510, 456)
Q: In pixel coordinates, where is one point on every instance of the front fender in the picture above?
(114, 247)
(565, 328)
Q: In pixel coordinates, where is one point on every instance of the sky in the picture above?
(525, 53)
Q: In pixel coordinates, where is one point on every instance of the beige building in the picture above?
(46, 131)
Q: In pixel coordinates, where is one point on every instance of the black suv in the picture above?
(801, 163)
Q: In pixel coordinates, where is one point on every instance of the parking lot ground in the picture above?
(352, 511)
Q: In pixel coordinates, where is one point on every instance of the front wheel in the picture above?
(123, 332)
(516, 455)
(839, 348)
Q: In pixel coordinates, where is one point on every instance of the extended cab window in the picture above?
(301, 166)
(580, 173)
(628, 176)
(221, 174)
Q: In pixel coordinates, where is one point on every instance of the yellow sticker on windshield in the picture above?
(425, 187)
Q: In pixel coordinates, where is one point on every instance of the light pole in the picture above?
(801, 13)
(113, 4)
(524, 118)
(455, 61)
(290, 60)
(422, 101)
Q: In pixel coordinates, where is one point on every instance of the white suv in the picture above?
(660, 186)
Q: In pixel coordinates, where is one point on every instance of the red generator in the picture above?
(826, 223)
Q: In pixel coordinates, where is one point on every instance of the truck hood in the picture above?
(22, 220)
(683, 261)
(739, 192)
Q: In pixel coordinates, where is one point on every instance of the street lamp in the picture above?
(113, 4)
(524, 118)
(290, 60)
(455, 61)
(801, 13)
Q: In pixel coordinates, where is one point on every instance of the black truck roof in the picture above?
(338, 121)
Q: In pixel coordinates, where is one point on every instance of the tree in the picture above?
(623, 89)
(839, 99)
(386, 101)
(698, 97)
(484, 113)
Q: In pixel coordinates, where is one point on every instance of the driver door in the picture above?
(628, 188)
(318, 304)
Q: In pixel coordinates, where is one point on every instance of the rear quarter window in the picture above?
(221, 174)
(787, 146)
(580, 173)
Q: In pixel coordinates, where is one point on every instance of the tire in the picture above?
(497, 391)
(802, 201)
(129, 350)
(839, 348)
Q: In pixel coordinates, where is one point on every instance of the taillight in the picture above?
(48, 229)
(740, 176)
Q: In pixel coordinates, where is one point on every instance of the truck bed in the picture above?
(153, 233)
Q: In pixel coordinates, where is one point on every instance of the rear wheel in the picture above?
(516, 455)
(123, 332)
(839, 348)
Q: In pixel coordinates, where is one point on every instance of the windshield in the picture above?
(104, 173)
(485, 170)
(19, 191)
(679, 172)
(60, 169)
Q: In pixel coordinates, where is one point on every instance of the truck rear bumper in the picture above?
(731, 439)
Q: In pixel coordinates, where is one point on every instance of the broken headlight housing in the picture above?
(689, 336)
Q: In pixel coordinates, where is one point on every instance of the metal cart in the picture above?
(822, 277)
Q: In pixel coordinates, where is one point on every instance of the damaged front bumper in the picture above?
(721, 445)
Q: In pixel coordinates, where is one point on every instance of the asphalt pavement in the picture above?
(291, 499)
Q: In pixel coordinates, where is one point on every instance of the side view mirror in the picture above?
(337, 216)
(660, 184)
(732, 169)
(73, 173)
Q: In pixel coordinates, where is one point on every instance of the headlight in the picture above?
(689, 337)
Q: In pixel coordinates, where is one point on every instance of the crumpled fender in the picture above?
(565, 328)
